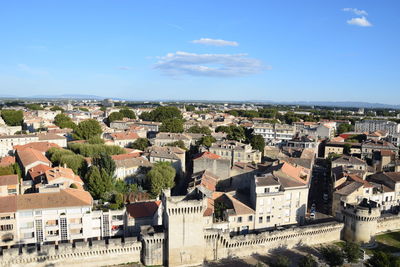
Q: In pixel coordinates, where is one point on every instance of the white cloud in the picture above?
(30, 70)
(362, 22)
(215, 42)
(356, 11)
(212, 65)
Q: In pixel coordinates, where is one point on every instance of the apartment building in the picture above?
(9, 185)
(8, 229)
(369, 147)
(377, 125)
(123, 139)
(236, 151)
(175, 155)
(274, 133)
(8, 141)
(163, 139)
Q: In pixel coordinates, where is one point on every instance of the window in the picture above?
(239, 219)
(260, 219)
(6, 227)
(266, 190)
(250, 218)
(28, 235)
(268, 218)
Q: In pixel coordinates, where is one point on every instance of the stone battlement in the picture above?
(77, 254)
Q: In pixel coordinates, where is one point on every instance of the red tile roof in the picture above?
(206, 154)
(124, 136)
(9, 180)
(38, 170)
(28, 156)
(143, 209)
(125, 156)
(6, 161)
(8, 204)
(39, 146)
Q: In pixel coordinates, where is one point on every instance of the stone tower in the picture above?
(360, 222)
(183, 221)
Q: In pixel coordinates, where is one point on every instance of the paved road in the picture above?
(321, 184)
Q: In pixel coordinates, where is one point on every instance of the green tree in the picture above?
(179, 144)
(115, 116)
(55, 108)
(344, 127)
(308, 261)
(34, 106)
(141, 144)
(382, 259)
(95, 140)
(332, 255)
(63, 121)
(346, 149)
(77, 163)
(233, 132)
(257, 142)
(12, 117)
(87, 129)
(190, 108)
(200, 130)
(98, 183)
(94, 150)
(352, 251)
(161, 114)
(160, 177)
(172, 126)
(280, 261)
(206, 141)
(106, 163)
(55, 154)
(127, 113)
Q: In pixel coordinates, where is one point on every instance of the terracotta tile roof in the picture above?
(387, 153)
(8, 204)
(132, 162)
(358, 179)
(124, 136)
(39, 146)
(143, 209)
(50, 136)
(210, 207)
(9, 180)
(296, 172)
(6, 161)
(37, 171)
(238, 207)
(65, 198)
(205, 179)
(60, 172)
(28, 156)
(207, 155)
(125, 156)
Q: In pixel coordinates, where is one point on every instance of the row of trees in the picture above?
(12, 117)
(122, 113)
(94, 150)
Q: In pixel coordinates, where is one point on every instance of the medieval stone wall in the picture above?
(99, 253)
(388, 223)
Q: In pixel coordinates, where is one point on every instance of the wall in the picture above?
(388, 223)
(98, 254)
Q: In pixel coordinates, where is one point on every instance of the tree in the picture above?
(257, 142)
(161, 114)
(106, 163)
(332, 255)
(160, 177)
(352, 252)
(77, 163)
(190, 108)
(95, 150)
(95, 140)
(127, 113)
(233, 132)
(63, 121)
(55, 108)
(87, 129)
(12, 117)
(382, 259)
(344, 127)
(115, 116)
(34, 106)
(98, 183)
(280, 261)
(347, 149)
(140, 143)
(200, 130)
(206, 141)
(308, 261)
(179, 144)
(172, 126)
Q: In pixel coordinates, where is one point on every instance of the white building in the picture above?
(377, 125)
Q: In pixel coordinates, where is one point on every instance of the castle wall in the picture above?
(98, 254)
(219, 246)
(388, 223)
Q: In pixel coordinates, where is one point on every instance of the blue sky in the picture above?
(329, 50)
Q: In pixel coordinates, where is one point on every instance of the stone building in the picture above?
(212, 163)
(236, 151)
(175, 155)
(163, 139)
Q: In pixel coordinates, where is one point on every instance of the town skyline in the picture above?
(266, 50)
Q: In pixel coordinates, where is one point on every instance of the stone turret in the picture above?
(184, 230)
(360, 221)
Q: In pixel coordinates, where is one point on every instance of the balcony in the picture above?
(52, 238)
(75, 225)
(52, 227)
(76, 235)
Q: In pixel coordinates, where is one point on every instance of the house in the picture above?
(29, 157)
(9, 185)
(124, 139)
(62, 178)
(141, 214)
(7, 161)
(339, 148)
(163, 139)
(53, 138)
(7, 142)
(236, 151)
(128, 166)
(8, 223)
(213, 163)
(43, 147)
(369, 147)
(175, 155)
